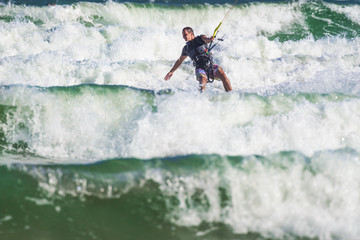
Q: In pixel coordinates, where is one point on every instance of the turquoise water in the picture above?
(189, 197)
(94, 144)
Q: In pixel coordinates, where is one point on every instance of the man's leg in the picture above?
(201, 77)
(222, 76)
(202, 82)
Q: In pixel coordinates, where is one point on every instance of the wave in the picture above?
(91, 122)
(285, 195)
(71, 122)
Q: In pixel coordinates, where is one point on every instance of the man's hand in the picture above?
(207, 39)
(168, 76)
(176, 66)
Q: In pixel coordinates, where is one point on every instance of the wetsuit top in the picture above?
(197, 50)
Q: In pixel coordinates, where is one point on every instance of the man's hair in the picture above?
(189, 30)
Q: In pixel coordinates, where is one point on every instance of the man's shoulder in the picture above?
(200, 38)
(184, 51)
(196, 40)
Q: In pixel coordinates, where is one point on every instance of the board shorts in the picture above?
(202, 73)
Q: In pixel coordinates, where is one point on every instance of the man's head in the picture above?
(188, 34)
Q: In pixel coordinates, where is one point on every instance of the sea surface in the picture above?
(94, 144)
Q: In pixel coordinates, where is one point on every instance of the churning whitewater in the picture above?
(92, 135)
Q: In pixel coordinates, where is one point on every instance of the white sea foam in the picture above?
(74, 125)
(115, 43)
(94, 123)
(246, 126)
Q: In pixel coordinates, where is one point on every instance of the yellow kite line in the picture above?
(227, 14)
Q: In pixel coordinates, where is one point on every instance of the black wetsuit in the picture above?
(197, 50)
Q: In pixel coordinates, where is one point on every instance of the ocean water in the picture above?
(94, 144)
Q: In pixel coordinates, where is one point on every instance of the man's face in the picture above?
(187, 35)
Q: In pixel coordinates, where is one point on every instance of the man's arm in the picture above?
(176, 66)
(207, 39)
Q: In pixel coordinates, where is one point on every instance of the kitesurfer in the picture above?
(197, 49)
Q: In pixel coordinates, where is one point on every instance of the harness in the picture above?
(202, 58)
(204, 61)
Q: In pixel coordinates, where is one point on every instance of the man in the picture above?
(196, 48)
